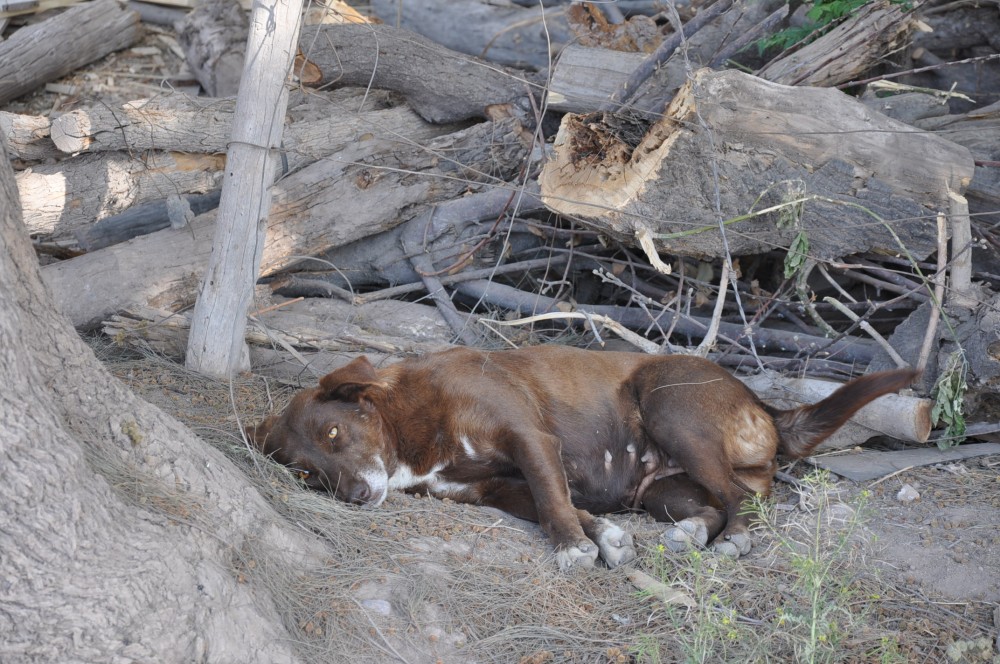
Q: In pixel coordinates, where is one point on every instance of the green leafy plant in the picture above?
(949, 392)
(820, 16)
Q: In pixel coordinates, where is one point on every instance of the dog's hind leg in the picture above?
(614, 543)
(693, 509)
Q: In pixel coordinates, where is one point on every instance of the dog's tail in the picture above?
(801, 429)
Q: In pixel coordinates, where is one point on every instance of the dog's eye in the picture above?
(332, 432)
(303, 474)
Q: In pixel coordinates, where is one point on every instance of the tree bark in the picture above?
(120, 527)
(731, 144)
(215, 344)
(365, 188)
(83, 34)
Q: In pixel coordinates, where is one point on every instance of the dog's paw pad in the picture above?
(733, 546)
(615, 544)
(685, 534)
(582, 555)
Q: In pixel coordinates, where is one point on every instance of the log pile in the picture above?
(602, 166)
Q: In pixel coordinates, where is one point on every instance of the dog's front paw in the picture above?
(583, 554)
(614, 543)
(733, 546)
(686, 534)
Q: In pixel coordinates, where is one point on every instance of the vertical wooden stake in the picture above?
(216, 346)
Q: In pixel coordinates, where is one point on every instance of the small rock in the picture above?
(907, 494)
(379, 606)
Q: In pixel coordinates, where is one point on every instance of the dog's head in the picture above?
(332, 435)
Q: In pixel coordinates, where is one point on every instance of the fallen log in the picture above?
(386, 326)
(523, 37)
(875, 30)
(979, 131)
(183, 124)
(142, 220)
(733, 151)
(62, 198)
(214, 37)
(364, 188)
(28, 137)
(59, 45)
(440, 84)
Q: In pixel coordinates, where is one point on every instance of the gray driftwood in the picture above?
(364, 188)
(499, 32)
(214, 38)
(871, 33)
(315, 324)
(440, 84)
(752, 145)
(59, 45)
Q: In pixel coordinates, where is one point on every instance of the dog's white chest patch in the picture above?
(404, 478)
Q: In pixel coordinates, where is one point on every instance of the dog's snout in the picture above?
(361, 493)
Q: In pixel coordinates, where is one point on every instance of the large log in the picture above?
(180, 123)
(745, 144)
(60, 199)
(524, 37)
(978, 130)
(57, 46)
(440, 84)
(365, 188)
(27, 137)
(875, 30)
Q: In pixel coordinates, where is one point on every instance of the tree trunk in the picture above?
(216, 346)
(89, 573)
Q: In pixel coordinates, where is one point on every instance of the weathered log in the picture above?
(140, 220)
(28, 137)
(908, 107)
(583, 77)
(57, 46)
(979, 131)
(366, 187)
(748, 145)
(180, 123)
(386, 326)
(895, 415)
(214, 37)
(60, 199)
(440, 84)
(872, 32)
(524, 37)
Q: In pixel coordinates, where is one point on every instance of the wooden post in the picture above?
(216, 344)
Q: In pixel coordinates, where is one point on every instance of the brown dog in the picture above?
(555, 434)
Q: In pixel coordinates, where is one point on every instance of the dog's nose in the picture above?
(362, 493)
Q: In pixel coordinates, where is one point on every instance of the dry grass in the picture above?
(422, 580)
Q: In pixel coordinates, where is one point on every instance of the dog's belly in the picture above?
(614, 480)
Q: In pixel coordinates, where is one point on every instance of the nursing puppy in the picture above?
(554, 435)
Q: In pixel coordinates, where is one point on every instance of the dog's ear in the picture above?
(259, 433)
(352, 382)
